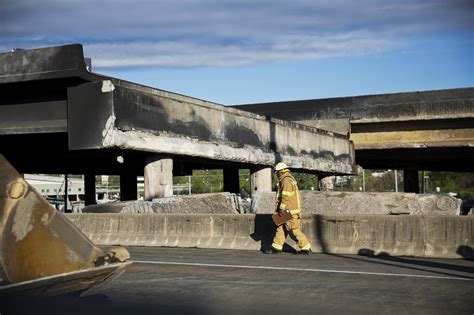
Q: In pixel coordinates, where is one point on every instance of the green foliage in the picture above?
(375, 181)
(384, 180)
(244, 182)
(306, 181)
(460, 183)
(180, 180)
(114, 180)
(207, 181)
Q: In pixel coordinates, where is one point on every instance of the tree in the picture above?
(460, 183)
(306, 181)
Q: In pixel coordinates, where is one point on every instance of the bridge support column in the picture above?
(231, 180)
(128, 186)
(89, 189)
(411, 181)
(326, 183)
(158, 178)
(260, 179)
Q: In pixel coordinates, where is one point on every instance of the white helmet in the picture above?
(280, 167)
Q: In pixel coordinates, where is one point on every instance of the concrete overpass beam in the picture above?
(411, 181)
(231, 180)
(137, 118)
(260, 179)
(89, 188)
(158, 178)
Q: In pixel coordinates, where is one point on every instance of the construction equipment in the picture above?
(41, 251)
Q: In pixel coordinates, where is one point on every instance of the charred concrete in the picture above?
(94, 118)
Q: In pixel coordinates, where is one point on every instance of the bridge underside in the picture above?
(430, 130)
(435, 145)
(428, 159)
(49, 154)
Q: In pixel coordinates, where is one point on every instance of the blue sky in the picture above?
(238, 52)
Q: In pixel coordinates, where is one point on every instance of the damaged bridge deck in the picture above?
(69, 117)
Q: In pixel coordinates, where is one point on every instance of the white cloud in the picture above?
(192, 33)
(191, 54)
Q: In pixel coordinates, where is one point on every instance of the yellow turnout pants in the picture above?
(294, 225)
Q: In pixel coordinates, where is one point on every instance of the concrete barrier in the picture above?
(331, 203)
(414, 235)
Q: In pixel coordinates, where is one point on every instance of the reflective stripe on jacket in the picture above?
(288, 195)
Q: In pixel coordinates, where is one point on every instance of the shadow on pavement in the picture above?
(419, 262)
(93, 304)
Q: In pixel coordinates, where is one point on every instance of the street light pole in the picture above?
(189, 185)
(363, 180)
(65, 192)
(426, 180)
(396, 180)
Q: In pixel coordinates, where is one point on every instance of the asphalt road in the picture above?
(204, 281)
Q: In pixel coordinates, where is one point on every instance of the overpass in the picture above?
(429, 130)
(56, 116)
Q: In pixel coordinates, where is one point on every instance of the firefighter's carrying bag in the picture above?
(285, 217)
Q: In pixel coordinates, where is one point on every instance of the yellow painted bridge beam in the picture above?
(414, 139)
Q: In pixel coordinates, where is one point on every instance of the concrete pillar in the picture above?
(326, 183)
(410, 181)
(231, 180)
(158, 178)
(128, 186)
(260, 179)
(89, 189)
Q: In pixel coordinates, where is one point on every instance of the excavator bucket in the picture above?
(41, 251)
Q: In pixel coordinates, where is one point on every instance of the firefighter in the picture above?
(288, 198)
